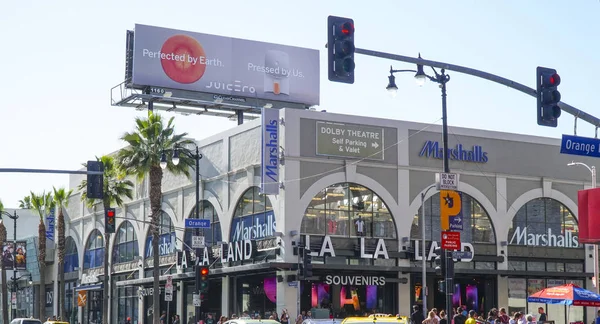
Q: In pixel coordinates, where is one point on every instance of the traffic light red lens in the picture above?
(347, 28)
(111, 213)
(204, 271)
(555, 79)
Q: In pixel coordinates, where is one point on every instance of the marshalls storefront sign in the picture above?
(270, 152)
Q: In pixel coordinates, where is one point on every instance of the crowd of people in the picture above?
(462, 316)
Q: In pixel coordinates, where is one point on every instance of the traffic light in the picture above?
(109, 220)
(548, 96)
(440, 262)
(340, 49)
(203, 285)
(307, 263)
(95, 182)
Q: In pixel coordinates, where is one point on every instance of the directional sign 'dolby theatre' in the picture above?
(576, 145)
(451, 211)
(350, 140)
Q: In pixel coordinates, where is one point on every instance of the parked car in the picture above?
(25, 321)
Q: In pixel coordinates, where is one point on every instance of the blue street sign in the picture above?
(197, 223)
(459, 255)
(456, 222)
(576, 145)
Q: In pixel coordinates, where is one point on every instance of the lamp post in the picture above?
(441, 78)
(592, 170)
(197, 157)
(423, 254)
(14, 278)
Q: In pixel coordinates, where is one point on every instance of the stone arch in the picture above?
(114, 239)
(82, 260)
(168, 211)
(532, 194)
(239, 193)
(295, 221)
(470, 190)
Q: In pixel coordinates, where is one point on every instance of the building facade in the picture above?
(351, 189)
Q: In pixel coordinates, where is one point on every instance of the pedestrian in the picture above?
(542, 317)
(285, 318)
(459, 318)
(417, 315)
(431, 319)
(128, 320)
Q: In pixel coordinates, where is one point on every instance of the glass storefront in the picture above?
(70, 304)
(255, 295)
(212, 305)
(92, 312)
(343, 300)
(125, 299)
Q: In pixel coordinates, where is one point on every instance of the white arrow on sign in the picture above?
(375, 145)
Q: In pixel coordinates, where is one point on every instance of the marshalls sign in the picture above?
(269, 183)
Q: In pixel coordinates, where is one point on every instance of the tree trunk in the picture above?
(4, 285)
(155, 207)
(61, 263)
(105, 282)
(42, 265)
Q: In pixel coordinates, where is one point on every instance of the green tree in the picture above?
(115, 188)
(142, 157)
(25, 203)
(3, 268)
(61, 199)
(42, 204)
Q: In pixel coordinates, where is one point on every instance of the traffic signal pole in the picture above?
(480, 74)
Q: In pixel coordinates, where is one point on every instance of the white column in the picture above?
(404, 292)
(287, 297)
(225, 298)
(503, 291)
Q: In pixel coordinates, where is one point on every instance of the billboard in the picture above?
(18, 255)
(205, 63)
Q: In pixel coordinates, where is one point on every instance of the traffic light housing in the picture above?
(548, 96)
(307, 263)
(440, 262)
(95, 182)
(109, 220)
(340, 49)
(204, 273)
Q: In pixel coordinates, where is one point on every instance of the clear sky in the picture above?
(59, 60)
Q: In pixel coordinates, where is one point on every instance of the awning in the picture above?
(89, 287)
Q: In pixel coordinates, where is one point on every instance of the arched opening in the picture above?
(476, 222)
(348, 210)
(126, 247)
(253, 218)
(93, 255)
(544, 228)
(211, 235)
(478, 291)
(166, 237)
(71, 255)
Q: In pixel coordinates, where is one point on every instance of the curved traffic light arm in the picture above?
(481, 74)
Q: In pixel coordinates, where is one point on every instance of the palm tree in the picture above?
(147, 144)
(4, 286)
(115, 188)
(25, 203)
(61, 199)
(42, 204)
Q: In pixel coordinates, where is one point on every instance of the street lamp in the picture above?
(592, 170)
(175, 159)
(14, 278)
(441, 78)
(423, 253)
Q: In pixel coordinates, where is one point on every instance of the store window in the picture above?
(253, 210)
(126, 245)
(544, 222)
(71, 255)
(348, 210)
(211, 235)
(477, 225)
(166, 239)
(93, 255)
(125, 298)
(256, 295)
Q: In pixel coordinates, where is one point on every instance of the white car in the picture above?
(25, 321)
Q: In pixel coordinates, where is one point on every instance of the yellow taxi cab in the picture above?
(377, 318)
(55, 322)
